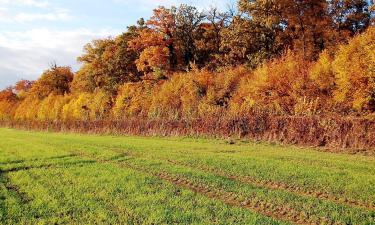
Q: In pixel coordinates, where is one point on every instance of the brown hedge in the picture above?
(328, 133)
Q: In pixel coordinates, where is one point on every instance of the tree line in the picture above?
(282, 57)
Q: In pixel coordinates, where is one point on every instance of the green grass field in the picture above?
(50, 178)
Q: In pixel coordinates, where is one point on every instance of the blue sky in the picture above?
(34, 33)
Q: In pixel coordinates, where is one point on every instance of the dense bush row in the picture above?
(342, 83)
(328, 133)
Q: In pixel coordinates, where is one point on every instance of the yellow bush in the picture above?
(45, 112)
(77, 108)
(100, 105)
(354, 68)
(133, 100)
(176, 98)
(322, 73)
(86, 106)
(59, 103)
(28, 109)
(198, 93)
(275, 87)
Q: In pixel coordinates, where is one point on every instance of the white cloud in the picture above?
(26, 54)
(23, 17)
(151, 4)
(58, 15)
(31, 3)
(42, 10)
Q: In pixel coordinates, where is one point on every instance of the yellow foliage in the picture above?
(87, 106)
(322, 73)
(100, 105)
(196, 94)
(176, 98)
(45, 112)
(275, 86)
(28, 109)
(133, 100)
(7, 109)
(77, 108)
(219, 87)
(354, 68)
(51, 108)
(59, 103)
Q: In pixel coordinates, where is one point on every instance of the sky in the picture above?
(37, 33)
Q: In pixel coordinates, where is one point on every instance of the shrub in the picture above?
(45, 112)
(324, 82)
(218, 89)
(276, 86)
(8, 103)
(28, 109)
(175, 98)
(133, 100)
(77, 108)
(354, 68)
(100, 105)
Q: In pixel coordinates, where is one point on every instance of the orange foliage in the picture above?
(8, 103)
(156, 43)
(277, 86)
(53, 81)
(152, 58)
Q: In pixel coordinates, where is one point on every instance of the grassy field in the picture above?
(50, 178)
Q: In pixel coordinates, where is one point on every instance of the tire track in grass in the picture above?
(268, 184)
(36, 160)
(23, 197)
(12, 188)
(48, 166)
(254, 203)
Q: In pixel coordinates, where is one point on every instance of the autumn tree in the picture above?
(188, 20)
(247, 42)
(208, 38)
(300, 24)
(218, 20)
(22, 88)
(350, 17)
(55, 81)
(108, 63)
(309, 26)
(156, 42)
(290, 57)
